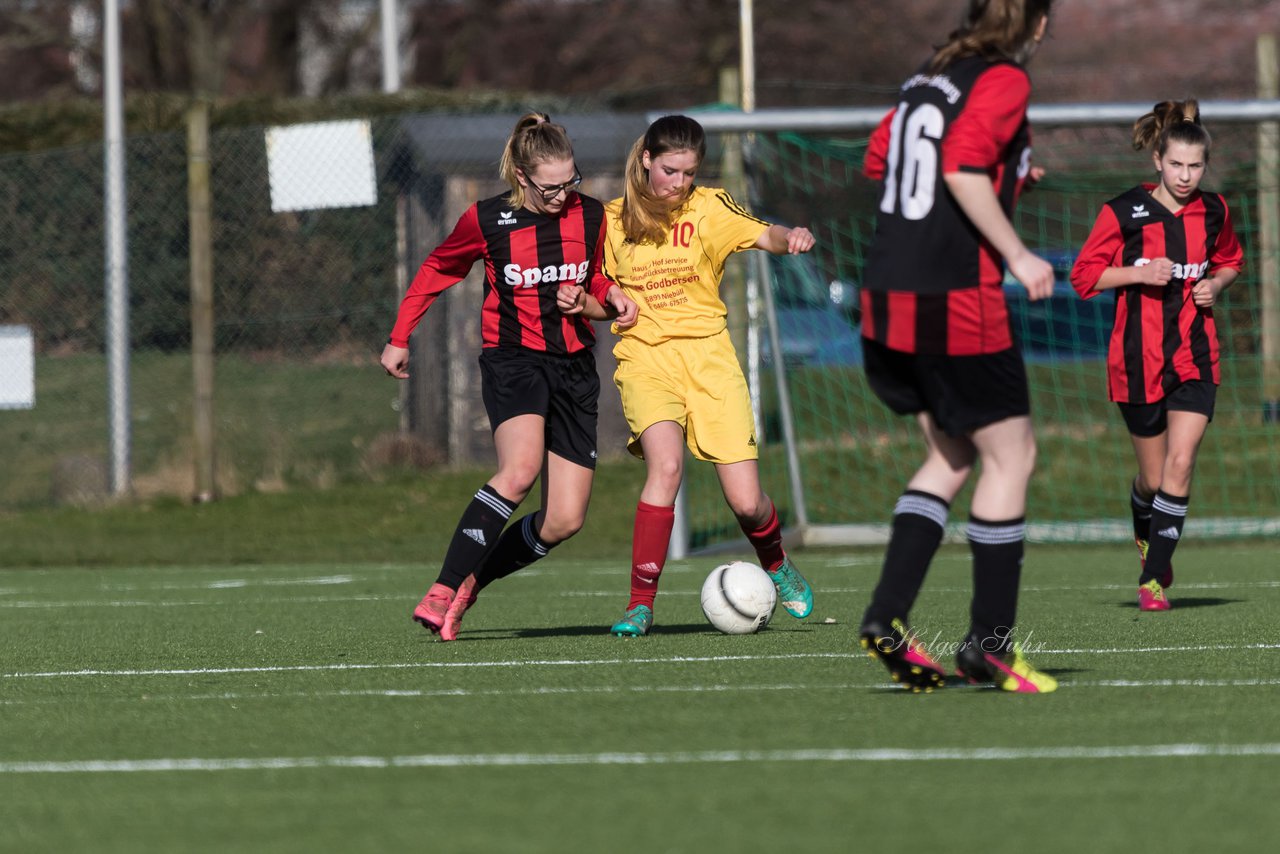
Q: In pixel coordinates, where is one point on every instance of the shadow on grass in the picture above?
(577, 631)
(1181, 603)
(598, 630)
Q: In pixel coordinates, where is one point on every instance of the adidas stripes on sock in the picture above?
(518, 547)
(649, 544)
(1141, 509)
(1168, 513)
(919, 520)
(476, 535)
(997, 549)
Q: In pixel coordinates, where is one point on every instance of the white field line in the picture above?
(701, 757)
(553, 691)
(202, 603)
(581, 662)
(578, 567)
(416, 665)
(571, 594)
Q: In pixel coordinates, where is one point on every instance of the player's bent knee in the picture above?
(558, 530)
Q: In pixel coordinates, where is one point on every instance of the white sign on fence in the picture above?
(321, 165)
(17, 367)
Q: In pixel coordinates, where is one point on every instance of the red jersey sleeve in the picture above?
(991, 117)
(444, 268)
(1101, 250)
(600, 283)
(875, 161)
(1227, 251)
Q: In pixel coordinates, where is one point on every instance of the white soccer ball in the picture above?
(738, 598)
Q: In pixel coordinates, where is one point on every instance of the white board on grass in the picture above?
(17, 367)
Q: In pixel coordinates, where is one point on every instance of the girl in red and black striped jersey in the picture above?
(541, 244)
(1169, 250)
(952, 157)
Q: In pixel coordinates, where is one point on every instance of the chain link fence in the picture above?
(303, 301)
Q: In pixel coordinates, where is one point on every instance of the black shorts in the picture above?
(564, 390)
(962, 393)
(1152, 419)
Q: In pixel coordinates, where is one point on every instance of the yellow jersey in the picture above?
(677, 285)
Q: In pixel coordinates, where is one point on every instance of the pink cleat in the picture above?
(1151, 597)
(465, 598)
(434, 606)
(1007, 670)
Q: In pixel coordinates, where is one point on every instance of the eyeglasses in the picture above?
(549, 193)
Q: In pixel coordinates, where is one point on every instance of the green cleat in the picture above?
(794, 593)
(635, 623)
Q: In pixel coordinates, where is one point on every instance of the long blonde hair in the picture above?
(995, 29)
(536, 140)
(645, 217)
(1171, 121)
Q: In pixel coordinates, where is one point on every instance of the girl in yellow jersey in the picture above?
(666, 244)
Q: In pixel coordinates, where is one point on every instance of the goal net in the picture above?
(846, 457)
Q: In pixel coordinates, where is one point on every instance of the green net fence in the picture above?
(303, 300)
(855, 457)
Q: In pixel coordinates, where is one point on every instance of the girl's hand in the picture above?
(1205, 292)
(571, 299)
(628, 311)
(799, 240)
(1035, 274)
(395, 360)
(1158, 272)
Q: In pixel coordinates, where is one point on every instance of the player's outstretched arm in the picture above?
(781, 240)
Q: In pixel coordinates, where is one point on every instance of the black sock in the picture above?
(518, 547)
(1141, 508)
(1168, 513)
(475, 536)
(919, 520)
(997, 570)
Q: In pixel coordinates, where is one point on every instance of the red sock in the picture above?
(649, 551)
(767, 541)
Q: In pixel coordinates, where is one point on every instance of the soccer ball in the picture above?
(738, 598)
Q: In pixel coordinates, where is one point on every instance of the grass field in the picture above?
(292, 706)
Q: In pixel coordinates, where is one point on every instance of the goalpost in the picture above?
(829, 437)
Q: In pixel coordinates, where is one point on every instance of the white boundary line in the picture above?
(584, 662)
(703, 757)
(551, 691)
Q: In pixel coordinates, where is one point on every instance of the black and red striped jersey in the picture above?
(1160, 338)
(527, 256)
(932, 283)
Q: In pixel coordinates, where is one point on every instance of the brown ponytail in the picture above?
(995, 29)
(1171, 121)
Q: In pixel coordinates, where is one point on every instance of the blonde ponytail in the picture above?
(535, 140)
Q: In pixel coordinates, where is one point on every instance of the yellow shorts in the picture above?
(695, 382)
